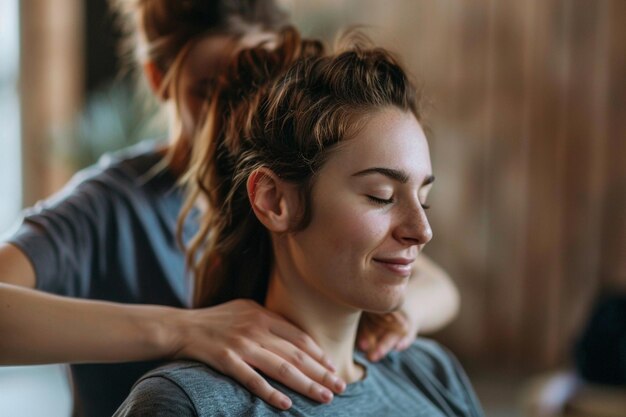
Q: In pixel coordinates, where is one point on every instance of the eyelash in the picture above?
(382, 201)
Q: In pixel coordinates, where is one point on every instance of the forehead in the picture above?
(388, 138)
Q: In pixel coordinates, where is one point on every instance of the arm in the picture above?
(233, 338)
(431, 302)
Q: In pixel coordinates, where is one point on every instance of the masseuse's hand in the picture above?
(379, 334)
(241, 338)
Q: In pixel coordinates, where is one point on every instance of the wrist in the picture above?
(165, 331)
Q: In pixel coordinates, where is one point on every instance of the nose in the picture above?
(414, 228)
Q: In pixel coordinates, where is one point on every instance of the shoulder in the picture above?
(129, 175)
(134, 167)
(433, 368)
(156, 395)
(430, 361)
(205, 390)
(132, 161)
(429, 354)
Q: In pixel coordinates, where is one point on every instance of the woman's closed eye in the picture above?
(384, 201)
(380, 201)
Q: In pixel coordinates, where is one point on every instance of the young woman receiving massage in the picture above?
(108, 240)
(312, 174)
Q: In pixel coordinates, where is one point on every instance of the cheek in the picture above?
(352, 228)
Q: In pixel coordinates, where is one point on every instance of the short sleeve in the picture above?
(156, 397)
(65, 237)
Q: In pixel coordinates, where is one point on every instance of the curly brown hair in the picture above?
(285, 108)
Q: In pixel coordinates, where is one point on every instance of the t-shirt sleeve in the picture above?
(65, 236)
(156, 397)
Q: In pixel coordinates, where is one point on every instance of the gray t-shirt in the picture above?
(109, 235)
(424, 380)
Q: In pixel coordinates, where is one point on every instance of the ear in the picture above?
(271, 199)
(155, 79)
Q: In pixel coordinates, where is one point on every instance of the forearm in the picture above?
(36, 327)
(432, 298)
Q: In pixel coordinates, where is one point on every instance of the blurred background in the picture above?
(527, 122)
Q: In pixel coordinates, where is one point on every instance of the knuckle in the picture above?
(327, 378)
(225, 358)
(238, 342)
(313, 389)
(298, 358)
(303, 341)
(242, 346)
(224, 355)
(248, 330)
(255, 384)
(285, 369)
(274, 397)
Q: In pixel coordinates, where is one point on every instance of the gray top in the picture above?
(425, 380)
(109, 235)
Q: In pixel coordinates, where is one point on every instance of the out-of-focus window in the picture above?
(10, 155)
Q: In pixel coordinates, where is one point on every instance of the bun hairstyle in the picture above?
(160, 30)
(285, 108)
(164, 31)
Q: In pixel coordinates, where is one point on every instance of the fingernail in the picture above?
(340, 385)
(285, 403)
(326, 395)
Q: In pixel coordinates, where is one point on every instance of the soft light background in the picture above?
(528, 141)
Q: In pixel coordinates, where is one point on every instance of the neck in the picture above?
(332, 327)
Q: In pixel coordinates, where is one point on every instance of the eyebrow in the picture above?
(397, 175)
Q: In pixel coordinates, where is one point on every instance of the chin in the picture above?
(382, 305)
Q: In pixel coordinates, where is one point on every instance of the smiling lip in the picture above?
(399, 266)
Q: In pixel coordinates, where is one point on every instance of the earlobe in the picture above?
(155, 79)
(268, 198)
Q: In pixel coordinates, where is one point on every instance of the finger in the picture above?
(374, 336)
(303, 341)
(284, 372)
(255, 383)
(365, 337)
(364, 343)
(405, 343)
(307, 365)
(384, 345)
